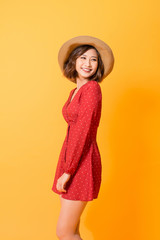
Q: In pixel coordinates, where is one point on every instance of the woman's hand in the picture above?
(61, 182)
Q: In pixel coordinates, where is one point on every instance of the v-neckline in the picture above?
(72, 95)
(72, 92)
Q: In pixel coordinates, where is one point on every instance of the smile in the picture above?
(86, 70)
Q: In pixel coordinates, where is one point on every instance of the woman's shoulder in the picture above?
(93, 83)
(93, 86)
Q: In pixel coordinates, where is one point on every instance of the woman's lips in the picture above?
(86, 70)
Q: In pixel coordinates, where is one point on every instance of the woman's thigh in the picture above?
(69, 215)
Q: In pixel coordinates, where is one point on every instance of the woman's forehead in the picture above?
(90, 52)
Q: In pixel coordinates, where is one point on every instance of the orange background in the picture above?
(32, 128)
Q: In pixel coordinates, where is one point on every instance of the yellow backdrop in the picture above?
(32, 128)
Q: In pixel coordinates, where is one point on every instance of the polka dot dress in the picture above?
(80, 155)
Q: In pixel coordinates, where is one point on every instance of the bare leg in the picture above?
(69, 218)
(77, 228)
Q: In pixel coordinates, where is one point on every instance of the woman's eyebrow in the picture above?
(86, 55)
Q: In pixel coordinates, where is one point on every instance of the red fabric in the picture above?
(80, 155)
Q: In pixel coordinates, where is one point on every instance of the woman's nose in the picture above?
(87, 62)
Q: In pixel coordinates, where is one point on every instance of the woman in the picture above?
(85, 61)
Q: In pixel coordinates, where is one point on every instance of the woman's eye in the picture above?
(93, 59)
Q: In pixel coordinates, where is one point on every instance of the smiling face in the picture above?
(86, 64)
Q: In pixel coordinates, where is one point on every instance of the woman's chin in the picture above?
(85, 75)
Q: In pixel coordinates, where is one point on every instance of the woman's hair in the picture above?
(69, 67)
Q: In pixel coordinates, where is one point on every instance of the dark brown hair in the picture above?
(69, 67)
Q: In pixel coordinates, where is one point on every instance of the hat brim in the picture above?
(104, 50)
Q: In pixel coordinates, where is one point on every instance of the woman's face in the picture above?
(87, 63)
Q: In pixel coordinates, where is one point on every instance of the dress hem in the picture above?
(84, 200)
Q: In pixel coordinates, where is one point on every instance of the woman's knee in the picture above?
(59, 231)
(62, 231)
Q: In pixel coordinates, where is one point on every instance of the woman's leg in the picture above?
(67, 227)
(77, 228)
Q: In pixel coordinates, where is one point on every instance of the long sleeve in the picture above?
(88, 114)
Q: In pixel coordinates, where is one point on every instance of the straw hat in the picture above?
(104, 50)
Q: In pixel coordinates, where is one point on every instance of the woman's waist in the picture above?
(90, 132)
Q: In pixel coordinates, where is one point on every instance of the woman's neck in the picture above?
(81, 82)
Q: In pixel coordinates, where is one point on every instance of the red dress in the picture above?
(80, 155)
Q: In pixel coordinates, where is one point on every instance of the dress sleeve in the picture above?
(89, 110)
